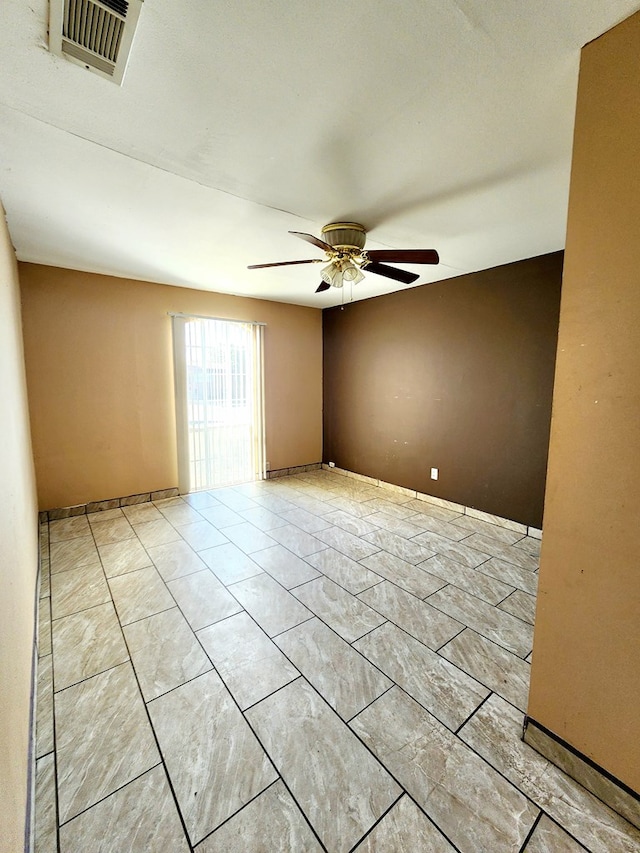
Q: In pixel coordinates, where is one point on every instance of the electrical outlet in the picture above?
(434, 473)
(332, 464)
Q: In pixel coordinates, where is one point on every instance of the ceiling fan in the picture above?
(344, 247)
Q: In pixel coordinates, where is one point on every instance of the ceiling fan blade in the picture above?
(390, 272)
(313, 240)
(405, 256)
(281, 264)
(324, 285)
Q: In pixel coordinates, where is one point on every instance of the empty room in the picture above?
(319, 355)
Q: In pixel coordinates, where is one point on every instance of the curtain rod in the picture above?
(220, 319)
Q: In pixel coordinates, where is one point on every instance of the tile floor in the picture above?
(303, 664)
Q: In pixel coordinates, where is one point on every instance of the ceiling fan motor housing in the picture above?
(345, 235)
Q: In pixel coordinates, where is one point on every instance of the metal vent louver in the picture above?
(96, 34)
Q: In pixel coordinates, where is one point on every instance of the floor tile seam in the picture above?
(83, 609)
(375, 699)
(523, 846)
(477, 630)
(93, 674)
(158, 748)
(457, 586)
(406, 631)
(110, 794)
(404, 689)
(92, 564)
(534, 574)
(357, 651)
(378, 821)
(317, 615)
(486, 761)
(352, 733)
(266, 752)
(58, 541)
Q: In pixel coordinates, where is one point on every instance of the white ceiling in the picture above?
(440, 124)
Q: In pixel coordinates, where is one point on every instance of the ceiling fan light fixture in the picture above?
(339, 271)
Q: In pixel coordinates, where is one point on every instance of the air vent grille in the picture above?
(77, 52)
(93, 27)
(94, 33)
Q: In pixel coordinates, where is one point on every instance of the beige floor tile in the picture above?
(221, 516)
(548, 837)
(411, 578)
(104, 515)
(348, 573)
(141, 816)
(284, 566)
(44, 627)
(121, 557)
(405, 829)
(263, 518)
(201, 535)
(156, 533)
(229, 564)
(306, 520)
(347, 615)
(233, 499)
(181, 514)
(513, 634)
(473, 805)
(351, 523)
(86, 643)
(248, 538)
(201, 500)
(44, 707)
(483, 586)
(299, 541)
(142, 513)
(513, 575)
(116, 530)
(402, 527)
(425, 508)
(493, 531)
(339, 785)
(103, 739)
(340, 540)
(345, 679)
(388, 504)
(517, 556)
(495, 731)
(459, 552)
(416, 617)
(448, 693)
(520, 604)
(164, 652)
(139, 594)
(203, 599)
(273, 607)
(175, 559)
(73, 553)
(249, 663)
(491, 665)
(45, 834)
(214, 760)
(78, 589)
(409, 550)
(272, 822)
(69, 528)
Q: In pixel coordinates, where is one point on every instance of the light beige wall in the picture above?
(100, 375)
(585, 683)
(18, 557)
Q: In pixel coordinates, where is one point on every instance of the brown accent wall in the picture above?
(456, 376)
(100, 376)
(18, 558)
(585, 680)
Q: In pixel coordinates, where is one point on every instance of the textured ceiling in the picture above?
(436, 124)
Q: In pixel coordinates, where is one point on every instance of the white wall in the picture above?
(18, 557)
